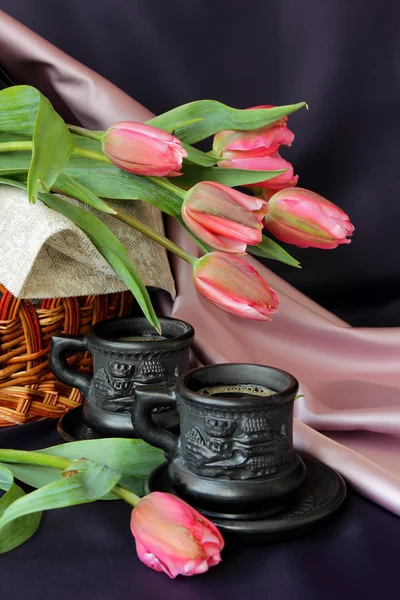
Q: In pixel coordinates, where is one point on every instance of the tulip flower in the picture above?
(173, 538)
(253, 162)
(234, 286)
(307, 220)
(265, 140)
(257, 150)
(143, 150)
(224, 218)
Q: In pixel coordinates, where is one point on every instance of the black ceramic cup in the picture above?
(127, 353)
(235, 451)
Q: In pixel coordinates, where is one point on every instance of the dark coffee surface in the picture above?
(138, 338)
(238, 390)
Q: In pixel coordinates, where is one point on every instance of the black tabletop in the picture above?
(88, 553)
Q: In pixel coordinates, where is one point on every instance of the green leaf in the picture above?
(96, 479)
(19, 531)
(52, 146)
(270, 249)
(105, 181)
(14, 162)
(25, 111)
(13, 137)
(110, 247)
(132, 457)
(18, 109)
(106, 243)
(87, 483)
(232, 177)
(70, 187)
(198, 157)
(108, 181)
(215, 117)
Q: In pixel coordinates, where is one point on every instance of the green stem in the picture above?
(34, 458)
(57, 462)
(162, 182)
(157, 237)
(125, 494)
(15, 146)
(18, 146)
(92, 154)
(93, 135)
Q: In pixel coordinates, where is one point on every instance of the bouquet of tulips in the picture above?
(158, 162)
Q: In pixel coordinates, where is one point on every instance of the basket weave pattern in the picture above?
(28, 389)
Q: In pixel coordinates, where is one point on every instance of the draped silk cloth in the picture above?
(349, 376)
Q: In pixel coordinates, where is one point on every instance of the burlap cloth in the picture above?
(44, 255)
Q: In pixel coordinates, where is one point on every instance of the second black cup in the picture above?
(235, 451)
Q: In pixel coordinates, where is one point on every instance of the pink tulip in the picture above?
(144, 150)
(224, 218)
(265, 140)
(173, 538)
(247, 160)
(257, 150)
(235, 286)
(307, 220)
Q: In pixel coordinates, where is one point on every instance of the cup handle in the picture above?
(60, 345)
(146, 398)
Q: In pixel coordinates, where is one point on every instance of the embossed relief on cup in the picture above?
(238, 446)
(113, 386)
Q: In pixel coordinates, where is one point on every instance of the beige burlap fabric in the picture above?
(44, 255)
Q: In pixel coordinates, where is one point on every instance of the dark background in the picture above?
(341, 56)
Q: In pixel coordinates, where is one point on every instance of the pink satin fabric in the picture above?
(350, 377)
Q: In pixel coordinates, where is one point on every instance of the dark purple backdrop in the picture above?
(341, 56)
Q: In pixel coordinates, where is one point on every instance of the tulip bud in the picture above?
(222, 217)
(257, 150)
(173, 538)
(143, 150)
(307, 220)
(234, 286)
(264, 140)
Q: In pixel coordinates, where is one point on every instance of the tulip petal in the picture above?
(221, 300)
(305, 219)
(214, 241)
(235, 286)
(257, 206)
(231, 229)
(169, 536)
(142, 149)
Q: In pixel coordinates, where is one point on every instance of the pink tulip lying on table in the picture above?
(224, 218)
(172, 537)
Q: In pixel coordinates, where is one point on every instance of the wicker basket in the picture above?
(28, 389)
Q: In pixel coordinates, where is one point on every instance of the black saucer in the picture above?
(72, 427)
(321, 494)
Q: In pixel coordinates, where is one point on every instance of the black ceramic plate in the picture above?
(72, 427)
(321, 494)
